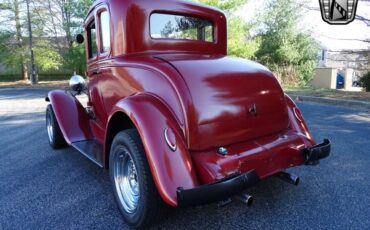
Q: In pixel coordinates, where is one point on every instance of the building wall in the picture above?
(357, 60)
(325, 78)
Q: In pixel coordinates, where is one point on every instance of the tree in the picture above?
(226, 5)
(61, 21)
(14, 37)
(167, 30)
(365, 19)
(74, 12)
(288, 51)
(238, 44)
(54, 25)
(12, 48)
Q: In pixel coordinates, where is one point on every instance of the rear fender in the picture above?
(71, 116)
(298, 125)
(170, 169)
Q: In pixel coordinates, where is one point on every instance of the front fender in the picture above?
(170, 169)
(71, 116)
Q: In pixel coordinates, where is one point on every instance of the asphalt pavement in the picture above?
(41, 188)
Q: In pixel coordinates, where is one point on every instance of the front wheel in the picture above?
(134, 188)
(55, 136)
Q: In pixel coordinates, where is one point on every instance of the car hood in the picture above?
(233, 100)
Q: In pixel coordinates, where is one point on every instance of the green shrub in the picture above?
(288, 51)
(365, 81)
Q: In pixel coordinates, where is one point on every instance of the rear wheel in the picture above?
(55, 136)
(134, 188)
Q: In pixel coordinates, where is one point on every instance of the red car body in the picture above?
(203, 117)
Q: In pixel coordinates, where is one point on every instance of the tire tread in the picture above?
(154, 208)
(58, 139)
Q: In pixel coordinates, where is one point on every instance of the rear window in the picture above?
(177, 27)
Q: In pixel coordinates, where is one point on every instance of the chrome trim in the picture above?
(173, 147)
(296, 115)
(223, 151)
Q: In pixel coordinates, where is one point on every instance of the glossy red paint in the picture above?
(267, 155)
(71, 116)
(207, 99)
(299, 126)
(131, 26)
(170, 169)
(224, 92)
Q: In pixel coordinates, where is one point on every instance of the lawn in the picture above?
(329, 93)
(42, 84)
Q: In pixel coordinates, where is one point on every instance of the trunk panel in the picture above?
(224, 92)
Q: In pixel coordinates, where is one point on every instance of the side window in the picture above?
(105, 31)
(91, 37)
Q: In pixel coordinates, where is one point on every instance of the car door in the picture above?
(94, 57)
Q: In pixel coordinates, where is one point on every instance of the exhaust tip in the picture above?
(249, 201)
(287, 177)
(296, 181)
(245, 199)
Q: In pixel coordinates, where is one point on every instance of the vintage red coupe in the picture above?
(175, 120)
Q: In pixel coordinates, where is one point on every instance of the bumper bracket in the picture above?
(314, 154)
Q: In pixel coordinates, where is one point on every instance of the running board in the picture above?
(91, 149)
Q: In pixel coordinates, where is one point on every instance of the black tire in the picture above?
(150, 207)
(55, 136)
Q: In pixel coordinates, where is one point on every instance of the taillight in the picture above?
(298, 114)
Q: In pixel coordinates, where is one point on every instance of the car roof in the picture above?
(130, 20)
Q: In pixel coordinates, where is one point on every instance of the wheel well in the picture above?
(119, 122)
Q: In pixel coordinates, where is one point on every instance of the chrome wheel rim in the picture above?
(49, 126)
(126, 181)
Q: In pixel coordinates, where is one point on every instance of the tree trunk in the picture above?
(55, 30)
(18, 27)
(66, 20)
(24, 71)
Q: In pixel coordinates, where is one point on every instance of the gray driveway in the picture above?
(45, 189)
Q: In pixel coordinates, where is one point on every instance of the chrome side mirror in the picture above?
(77, 83)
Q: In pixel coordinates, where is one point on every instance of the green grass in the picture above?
(307, 89)
(330, 93)
(42, 77)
